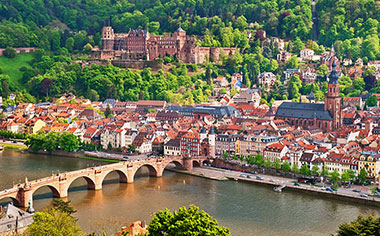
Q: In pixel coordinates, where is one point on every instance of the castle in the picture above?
(138, 45)
(327, 116)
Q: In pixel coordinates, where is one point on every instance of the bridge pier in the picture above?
(188, 163)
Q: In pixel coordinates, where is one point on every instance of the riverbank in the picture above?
(275, 181)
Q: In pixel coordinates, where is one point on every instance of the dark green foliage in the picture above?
(9, 52)
(53, 141)
(185, 221)
(362, 226)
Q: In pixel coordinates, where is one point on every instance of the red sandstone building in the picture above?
(326, 116)
(140, 45)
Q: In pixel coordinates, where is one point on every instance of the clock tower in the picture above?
(333, 102)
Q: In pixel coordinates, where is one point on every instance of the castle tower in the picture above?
(333, 100)
(108, 38)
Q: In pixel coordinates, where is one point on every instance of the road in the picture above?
(277, 180)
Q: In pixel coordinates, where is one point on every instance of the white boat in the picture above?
(278, 189)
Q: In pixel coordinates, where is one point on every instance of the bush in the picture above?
(10, 52)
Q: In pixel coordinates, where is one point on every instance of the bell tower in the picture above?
(333, 102)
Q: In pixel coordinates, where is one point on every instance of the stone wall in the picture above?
(155, 65)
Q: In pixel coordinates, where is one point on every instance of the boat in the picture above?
(278, 189)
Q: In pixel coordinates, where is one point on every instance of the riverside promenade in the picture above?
(274, 181)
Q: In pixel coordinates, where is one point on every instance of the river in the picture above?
(245, 208)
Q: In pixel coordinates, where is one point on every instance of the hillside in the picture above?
(12, 68)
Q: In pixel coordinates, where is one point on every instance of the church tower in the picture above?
(333, 102)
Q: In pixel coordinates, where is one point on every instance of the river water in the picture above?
(245, 208)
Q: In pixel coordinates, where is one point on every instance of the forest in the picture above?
(66, 31)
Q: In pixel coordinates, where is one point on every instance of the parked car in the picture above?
(271, 180)
(356, 190)
(377, 194)
(363, 195)
(14, 141)
(125, 157)
(250, 176)
(329, 189)
(243, 175)
(296, 184)
(259, 178)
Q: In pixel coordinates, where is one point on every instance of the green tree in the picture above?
(285, 167)
(277, 164)
(295, 169)
(241, 158)
(63, 206)
(324, 172)
(360, 226)
(352, 174)
(259, 160)
(234, 157)
(185, 221)
(69, 44)
(69, 142)
(108, 112)
(267, 163)
(371, 101)
(334, 176)
(305, 170)
(315, 170)
(225, 155)
(362, 175)
(322, 71)
(53, 222)
(87, 48)
(10, 52)
(292, 63)
(345, 176)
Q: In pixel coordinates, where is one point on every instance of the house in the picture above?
(32, 126)
(309, 75)
(333, 162)
(371, 164)
(353, 102)
(221, 82)
(172, 147)
(89, 114)
(375, 64)
(290, 72)
(306, 159)
(283, 56)
(250, 96)
(225, 143)
(275, 151)
(236, 80)
(306, 54)
(145, 105)
(267, 80)
(143, 142)
(13, 220)
(89, 134)
(190, 144)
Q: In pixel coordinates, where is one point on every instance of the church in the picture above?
(327, 116)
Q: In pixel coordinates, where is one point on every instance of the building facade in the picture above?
(140, 45)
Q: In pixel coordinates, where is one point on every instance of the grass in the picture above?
(13, 146)
(12, 67)
(98, 159)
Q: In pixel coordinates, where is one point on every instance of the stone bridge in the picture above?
(59, 184)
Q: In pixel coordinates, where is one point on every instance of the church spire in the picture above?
(333, 77)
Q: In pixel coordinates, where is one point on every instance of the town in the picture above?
(244, 106)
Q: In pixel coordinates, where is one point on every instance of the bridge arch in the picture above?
(152, 170)
(14, 200)
(197, 163)
(90, 182)
(123, 177)
(178, 164)
(53, 189)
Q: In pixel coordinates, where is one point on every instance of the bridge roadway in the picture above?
(22, 194)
